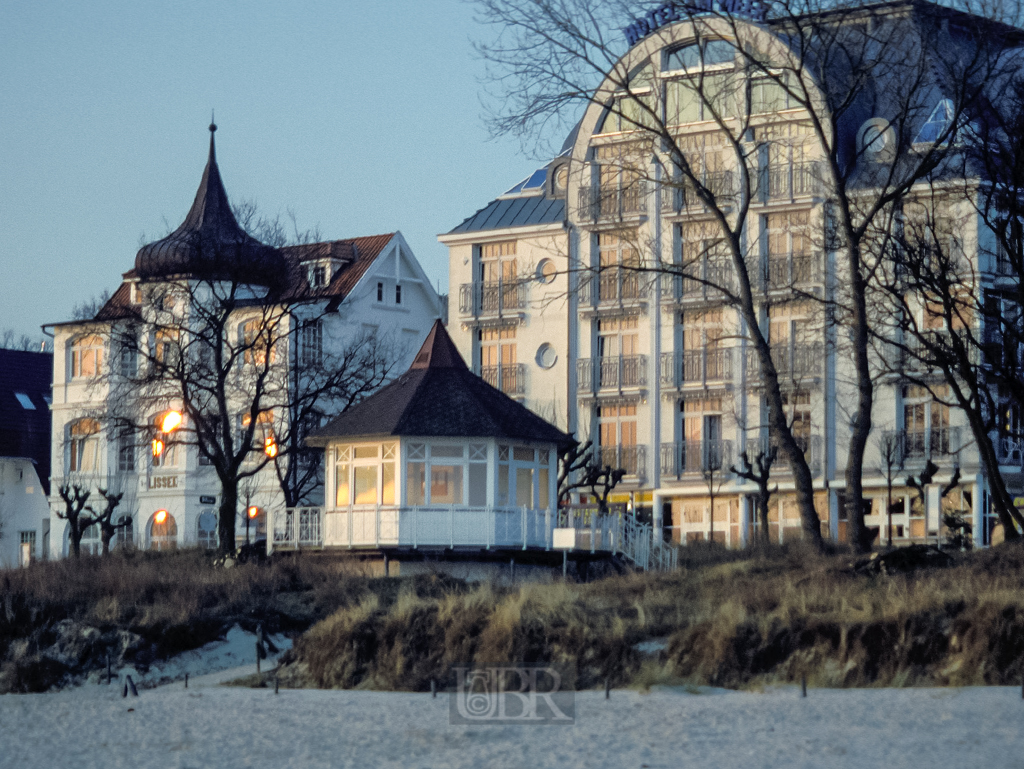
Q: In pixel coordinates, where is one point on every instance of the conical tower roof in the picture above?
(439, 396)
(210, 244)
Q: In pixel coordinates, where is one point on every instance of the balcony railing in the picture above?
(596, 202)
(790, 180)
(510, 378)
(922, 353)
(794, 269)
(696, 367)
(791, 361)
(1010, 451)
(689, 457)
(811, 445)
(632, 459)
(683, 194)
(930, 443)
(613, 286)
(492, 298)
(616, 372)
(717, 276)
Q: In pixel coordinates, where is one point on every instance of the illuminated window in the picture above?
(87, 357)
(84, 446)
(163, 531)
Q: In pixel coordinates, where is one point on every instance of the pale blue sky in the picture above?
(363, 117)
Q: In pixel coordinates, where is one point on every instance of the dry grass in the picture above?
(767, 619)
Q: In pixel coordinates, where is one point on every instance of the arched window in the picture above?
(206, 530)
(87, 357)
(91, 543)
(163, 531)
(84, 446)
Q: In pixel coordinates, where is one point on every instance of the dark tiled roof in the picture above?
(210, 243)
(25, 432)
(119, 305)
(440, 397)
(515, 212)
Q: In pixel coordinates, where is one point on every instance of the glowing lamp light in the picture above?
(171, 421)
(160, 517)
(270, 447)
(253, 511)
(158, 447)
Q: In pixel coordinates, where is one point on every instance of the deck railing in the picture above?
(377, 526)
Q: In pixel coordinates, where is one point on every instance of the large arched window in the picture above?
(84, 446)
(87, 357)
(163, 531)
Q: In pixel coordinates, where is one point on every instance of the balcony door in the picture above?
(616, 437)
(701, 448)
(618, 345)
(619, 261)
(498, 357)
(925, 422)
(498, 274)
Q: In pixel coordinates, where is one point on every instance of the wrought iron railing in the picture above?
(492, 298)
(703, 457)
(632, 459)
(510, 378)
(596, 202)
(930, 443)
(616, 372)
(703, 282)
(791, 360)
(696, 367)
(683, 193)
(613, 286)
(794, 269)
(790, 180)
(811, 445)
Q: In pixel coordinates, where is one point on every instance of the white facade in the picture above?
(658, 371)
(24, 514)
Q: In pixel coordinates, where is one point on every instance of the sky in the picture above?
(361, 117)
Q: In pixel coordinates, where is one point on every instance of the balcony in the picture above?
(613, 287)
(620, 372)
(492, 299)
(696, 368)
(597, 203)
(717, 277)
(510, 378)
(787, 271)
(921, 353)
(632, 459)
(682, 195)
(696, 457)
(811, 445)
(789, 180)
(1010, 451)
(792, 361)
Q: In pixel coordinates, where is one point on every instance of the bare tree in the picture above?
(75, 496)
(104, 517)
(837, 65)
(759, 471)
(12, 340)
(579, 467)
(890, 455)
(87, 309)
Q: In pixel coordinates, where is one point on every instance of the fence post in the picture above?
(593, 532)
(451, 525)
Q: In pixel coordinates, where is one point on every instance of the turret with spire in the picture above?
(210, 244)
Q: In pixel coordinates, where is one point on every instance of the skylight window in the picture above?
(25, 401)
(689, 56)
(938, 123)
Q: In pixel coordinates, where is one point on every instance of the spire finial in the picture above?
(213, 129)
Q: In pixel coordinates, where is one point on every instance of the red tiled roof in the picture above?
(119, 305)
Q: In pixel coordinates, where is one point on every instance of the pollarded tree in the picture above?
(75, 497)
(779, 99)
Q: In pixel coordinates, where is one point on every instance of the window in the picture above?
(311, 344)
(91, 543)
(546, 356)
(619, 262)
(616, 436)
(446, 474)
(165, 347)
(498, 357)
(264, 440)
(317, 276)
(127, 358)
(28, 538)
(164, 448)
(616, 337)
(398, 294)
(84, 446)
(546, 271)
(620, 176)
(925, 422)
(163, 531)
(257, 339)
(696, 55)
(125, 452)
(790, 260)
(380, 292)
(366, 475)
(768, 94)
(87, 357)
(25, 401)
(938, 124)
(702, 435)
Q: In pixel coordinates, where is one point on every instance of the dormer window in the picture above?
(318, 275)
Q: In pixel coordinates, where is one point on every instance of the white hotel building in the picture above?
(655, 369)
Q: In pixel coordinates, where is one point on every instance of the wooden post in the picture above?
(108, 667)
(433, 688)
(186, 680)
(276, 682)
(607, 687)
(387, 566)
(565, 563)
(803, 685)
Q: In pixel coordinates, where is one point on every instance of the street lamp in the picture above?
(168, 423)
(250, 515)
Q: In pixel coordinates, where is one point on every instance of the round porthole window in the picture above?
(546, 271)
(876, 139)
(546, 356)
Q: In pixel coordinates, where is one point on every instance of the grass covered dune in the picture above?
(746, 623)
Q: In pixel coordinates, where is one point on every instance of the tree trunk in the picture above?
(75, 539)
(228, 515)
(106, 534)
(1008, 515)
(763, 497)
(858, 535)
